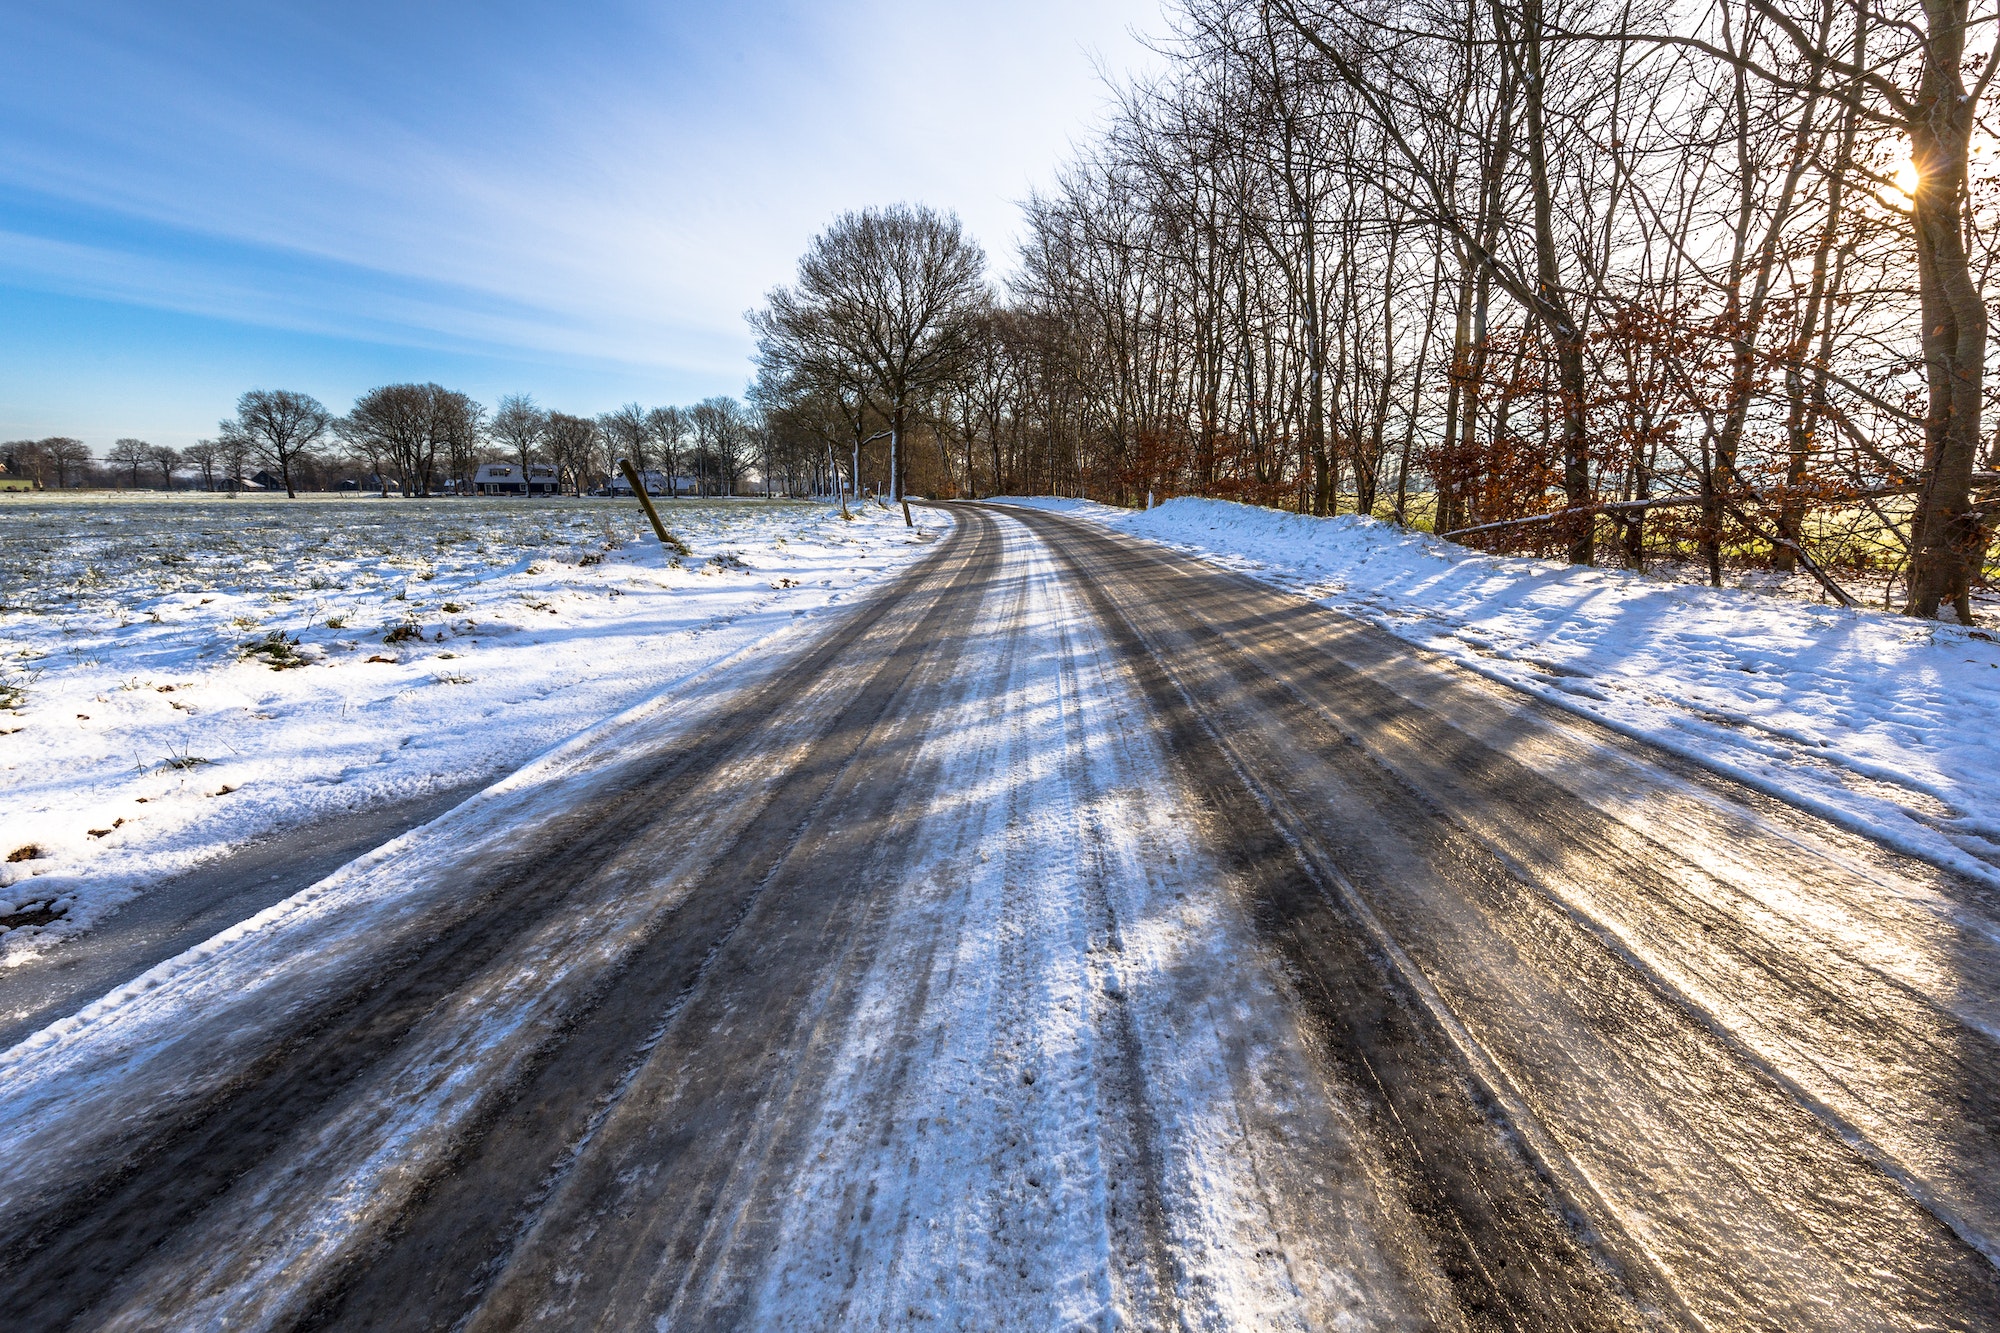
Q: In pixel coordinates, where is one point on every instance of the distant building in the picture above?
(506, 479)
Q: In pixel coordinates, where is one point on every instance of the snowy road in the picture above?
(1072, 934)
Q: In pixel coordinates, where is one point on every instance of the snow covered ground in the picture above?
(181, 674)
(1887, 726)
(1020, 1050)
(1001, 1030)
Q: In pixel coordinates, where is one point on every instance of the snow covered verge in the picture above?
(181, 675)
(1888, 726)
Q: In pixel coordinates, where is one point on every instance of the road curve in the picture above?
(1071, 934)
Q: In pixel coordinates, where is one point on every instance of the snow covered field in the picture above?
(179, 675)
(1886, 725)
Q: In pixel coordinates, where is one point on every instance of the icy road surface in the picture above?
(1070, 934)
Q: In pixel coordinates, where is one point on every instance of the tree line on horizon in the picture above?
(423, 439)
(1607, 280)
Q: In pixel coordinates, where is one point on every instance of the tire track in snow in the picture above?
(644, 1223)
(648, 1005)
(987, 1189)
(181, 1154)
(1768, 1227)
(936, 1187)
(1494, 1231)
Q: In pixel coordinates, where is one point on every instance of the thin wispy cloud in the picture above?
(602, 190)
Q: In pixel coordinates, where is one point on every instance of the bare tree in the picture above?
(205, 456)
(893, 292)
(811, 420)
(412, 426)
(69, 457)
(572, 445)
(166, 459)
(723, 440)
(629, 433)
(129, 456)
(366, 449)
(460, 424)
(708, 420)
(520, 427)
(236, 456)
(279, 426)
(390, 427)
(27, 458)
(670, 429)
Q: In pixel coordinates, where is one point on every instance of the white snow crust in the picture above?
(147, 739)
(1887, 726)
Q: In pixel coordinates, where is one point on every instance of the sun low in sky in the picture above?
(576, 201)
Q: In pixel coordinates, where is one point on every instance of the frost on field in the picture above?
(181, 674)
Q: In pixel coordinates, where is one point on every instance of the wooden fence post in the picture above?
(667, 539)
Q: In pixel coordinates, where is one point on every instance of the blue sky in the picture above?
(577, 201)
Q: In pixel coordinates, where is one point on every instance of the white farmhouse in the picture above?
(506, 479)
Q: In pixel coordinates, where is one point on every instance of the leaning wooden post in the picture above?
(667, 539)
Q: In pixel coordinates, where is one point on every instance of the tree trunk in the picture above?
(896, 460)
(1803, 406)
(1948, 537)
(1564, 332)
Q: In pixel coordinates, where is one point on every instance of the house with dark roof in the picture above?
(508, 479)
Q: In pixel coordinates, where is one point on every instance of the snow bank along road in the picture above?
(1072, 934)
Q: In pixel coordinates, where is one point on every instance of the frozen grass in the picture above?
(180, 674)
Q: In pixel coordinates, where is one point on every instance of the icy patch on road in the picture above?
(419, 645)
(1888, 726)
(1055, 1103)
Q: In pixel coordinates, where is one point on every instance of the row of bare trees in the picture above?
(225, 463)
(59, 460)
(62, 461)
(709, 447)
(1605, 279)
(424, 439)
(422, 434)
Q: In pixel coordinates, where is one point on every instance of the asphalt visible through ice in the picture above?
(1069, 935)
